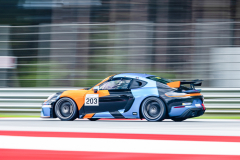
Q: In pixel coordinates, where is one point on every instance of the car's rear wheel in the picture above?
(93, 119)
(178, 119)
(66, 109)
(153, 109)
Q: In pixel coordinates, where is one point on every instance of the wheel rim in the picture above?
(153, 110)
(64, 109)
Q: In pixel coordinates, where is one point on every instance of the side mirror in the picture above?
(95, 89)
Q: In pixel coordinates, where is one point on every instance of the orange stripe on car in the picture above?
(174, 84)
(195, 94)
(89, 115)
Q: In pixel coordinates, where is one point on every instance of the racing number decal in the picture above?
(92, 100)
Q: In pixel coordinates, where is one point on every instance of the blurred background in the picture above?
(48, 45)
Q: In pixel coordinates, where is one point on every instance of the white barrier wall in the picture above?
(29, 100)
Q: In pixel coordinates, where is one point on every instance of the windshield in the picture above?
(158, 79)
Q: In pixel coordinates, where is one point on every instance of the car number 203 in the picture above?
(91, 100)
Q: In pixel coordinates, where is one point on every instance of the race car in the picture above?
(128, 95)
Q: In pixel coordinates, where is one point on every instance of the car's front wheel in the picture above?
(153, 109)
(66, 109)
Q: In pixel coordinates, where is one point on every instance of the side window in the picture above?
(137, 84)
(115, 84)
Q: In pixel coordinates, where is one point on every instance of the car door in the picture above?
(118, 98)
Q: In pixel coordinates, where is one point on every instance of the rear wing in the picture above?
(192, 83)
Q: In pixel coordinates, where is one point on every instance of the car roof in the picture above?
(133, 75)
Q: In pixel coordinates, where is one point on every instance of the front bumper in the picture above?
(47, 111)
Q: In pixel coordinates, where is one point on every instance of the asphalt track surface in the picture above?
(188, 127)
(193, 139)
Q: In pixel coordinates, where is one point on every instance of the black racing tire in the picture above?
(93, 119)
(66, 109)
(153, 109)
(178, 119)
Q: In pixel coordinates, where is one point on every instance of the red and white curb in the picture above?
(74, 145)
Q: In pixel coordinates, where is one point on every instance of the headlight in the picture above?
(50, 97)
(53, 98)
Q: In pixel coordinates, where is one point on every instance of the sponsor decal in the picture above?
(92, 100)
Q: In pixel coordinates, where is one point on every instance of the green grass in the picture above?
(218, 117)
(19, 116)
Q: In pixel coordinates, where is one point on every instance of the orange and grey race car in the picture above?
(128, 95)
